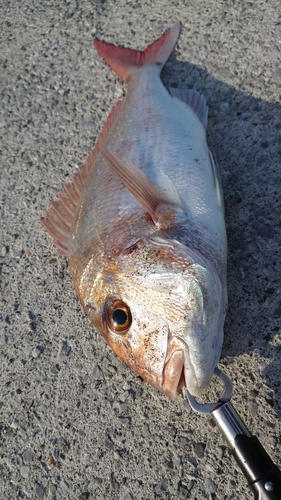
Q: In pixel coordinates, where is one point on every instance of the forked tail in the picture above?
(125, 61)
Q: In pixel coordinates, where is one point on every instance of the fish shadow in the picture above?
(244, 135)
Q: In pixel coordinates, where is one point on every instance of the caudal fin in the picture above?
(123, 61)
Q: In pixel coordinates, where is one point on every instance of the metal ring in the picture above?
(208, 408)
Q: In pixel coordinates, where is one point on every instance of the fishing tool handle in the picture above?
(263, 476)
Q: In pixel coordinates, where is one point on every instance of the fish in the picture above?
(142, 226)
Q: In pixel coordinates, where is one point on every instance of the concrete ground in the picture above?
(75, 422)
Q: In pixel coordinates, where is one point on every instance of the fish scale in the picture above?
(142, 225)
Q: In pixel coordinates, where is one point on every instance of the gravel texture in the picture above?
(75, 422)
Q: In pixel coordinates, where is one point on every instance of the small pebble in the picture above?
(199, 449)
(145, 431)
(22, 434)
(86, 459)
(97, 374)
(63, 484)
(182, 441)
(64, 349)
(26, 490)
(3, 339)
(140, 471)
(123, 396)
(36, 351)
(65, 447)
(55, 369)
(84, 496)
(253, 407)
(220, 452)
(184, 489)
(123, 407)
(52, 489)
(24, 471)
(28, 456)
(272, 441)
(40, 491)
(262, 367)
(162, 486)
(126, 421)
(177, 461)
(6, 99)
(210, 486)
(51, 462)
(127, 496)
(15, 424)
(114, 483)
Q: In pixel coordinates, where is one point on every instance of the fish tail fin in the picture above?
(125, 61)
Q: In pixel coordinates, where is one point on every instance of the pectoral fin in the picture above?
(160, 207)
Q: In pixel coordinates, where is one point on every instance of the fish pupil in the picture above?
(119, 317)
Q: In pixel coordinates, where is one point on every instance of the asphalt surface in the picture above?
(75, 422)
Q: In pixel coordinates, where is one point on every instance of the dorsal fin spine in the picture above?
(60, 217)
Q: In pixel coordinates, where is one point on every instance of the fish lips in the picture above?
(180, 371)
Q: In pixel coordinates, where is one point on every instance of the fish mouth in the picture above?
(178, 371)
(173, 375)
(177, 365)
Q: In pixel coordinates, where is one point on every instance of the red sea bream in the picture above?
(142, 225)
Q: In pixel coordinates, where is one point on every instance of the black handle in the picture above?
(263, 475)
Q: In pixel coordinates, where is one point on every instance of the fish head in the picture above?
(160, 307)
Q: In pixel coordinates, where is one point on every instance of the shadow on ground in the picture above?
(244, 134)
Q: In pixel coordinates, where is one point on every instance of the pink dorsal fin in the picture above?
(59, 218)
(122, 60)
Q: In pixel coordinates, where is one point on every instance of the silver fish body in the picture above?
(147, 240)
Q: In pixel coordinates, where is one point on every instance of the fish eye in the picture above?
(118, 317)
